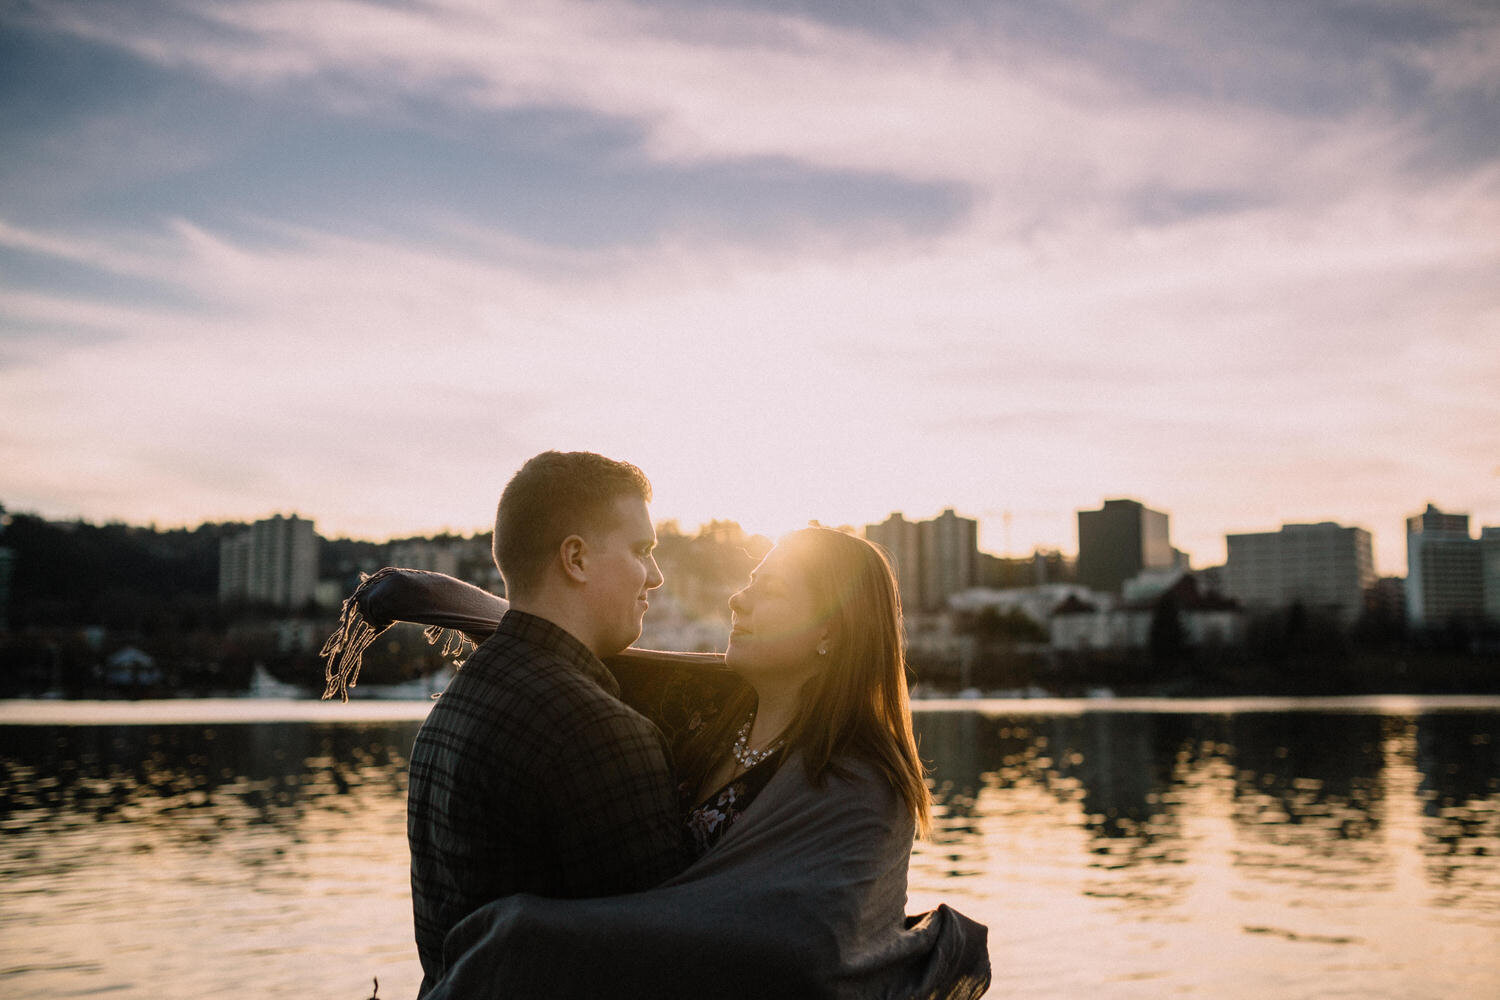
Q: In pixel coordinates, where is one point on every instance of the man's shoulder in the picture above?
(509, 675)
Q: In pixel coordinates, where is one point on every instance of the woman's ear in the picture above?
(574, 556)
(823, 641)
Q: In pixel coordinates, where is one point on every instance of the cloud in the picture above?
(974, 104)
(800, 261)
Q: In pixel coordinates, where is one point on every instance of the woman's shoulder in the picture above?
(856, 782)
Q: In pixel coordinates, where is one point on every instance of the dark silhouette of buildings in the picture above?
(1042, 567)
(1118, 541)
(950, 557)
(7, 560)
(1444, 571)
(933, 559)
(902, 541)
(274, 562)
(1325, 566)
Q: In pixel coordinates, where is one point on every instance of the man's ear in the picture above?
(574, 555)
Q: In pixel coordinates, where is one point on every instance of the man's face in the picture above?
(621, 572)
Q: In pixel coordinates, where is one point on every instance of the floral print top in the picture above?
(708, 821)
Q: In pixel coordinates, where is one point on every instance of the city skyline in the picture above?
(878, 531)
(796, 261)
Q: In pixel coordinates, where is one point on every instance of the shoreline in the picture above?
(233, 711)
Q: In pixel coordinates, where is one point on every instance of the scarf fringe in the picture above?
(455, 643)
(344, 652)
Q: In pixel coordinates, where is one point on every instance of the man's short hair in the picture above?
(557, 494)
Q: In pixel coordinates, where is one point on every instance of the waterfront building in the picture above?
(1081, 624)
(1036, 603)
(1326, 566)
(7, 561)
(437, 555)
(1444, 570)
(274, 561)
(675, 624)
(933, 559)
(1211, 578)
(1119, 540)
(902, 541)
(1051, 566)
(1385, 602)
(1042, 567)
(131, 667)
(234, 567)
(1489, 571)
(950, 557)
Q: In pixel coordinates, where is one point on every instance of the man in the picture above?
(530, 775)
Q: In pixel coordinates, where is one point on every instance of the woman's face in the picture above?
(777, 627)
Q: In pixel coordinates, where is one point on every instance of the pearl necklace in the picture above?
(741, 751)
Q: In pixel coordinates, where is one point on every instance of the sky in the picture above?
(1237, 259)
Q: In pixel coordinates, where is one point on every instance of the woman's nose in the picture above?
(737, 602)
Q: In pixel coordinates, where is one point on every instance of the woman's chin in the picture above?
(755, 667)
(741, 660)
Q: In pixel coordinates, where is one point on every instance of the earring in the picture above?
(822, 649)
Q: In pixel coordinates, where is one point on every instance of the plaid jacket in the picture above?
(530, 775)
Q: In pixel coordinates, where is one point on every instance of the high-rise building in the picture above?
(902, 540)
(274, 562)
(1327, 566)
(933, 559)
(234, 567)
(1444, 574)
(437, 555)
(7, 561)
(950, 557)
(1489, 571)
(1385, 602)
(7, 566)
(1042, 567)
(1120, 540)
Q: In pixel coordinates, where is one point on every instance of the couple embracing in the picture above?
(589, 820)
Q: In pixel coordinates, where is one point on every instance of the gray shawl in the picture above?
(804, 896)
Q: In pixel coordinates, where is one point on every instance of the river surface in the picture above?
(1227, 849)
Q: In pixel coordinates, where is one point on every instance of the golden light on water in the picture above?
(1238, 847)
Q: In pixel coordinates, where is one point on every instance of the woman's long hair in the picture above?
(857, 706)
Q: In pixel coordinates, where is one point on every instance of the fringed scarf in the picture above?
(456, 614)
(805, 897)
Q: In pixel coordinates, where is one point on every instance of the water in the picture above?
(1339, 849)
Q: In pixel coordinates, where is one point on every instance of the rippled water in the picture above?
(1113, 854)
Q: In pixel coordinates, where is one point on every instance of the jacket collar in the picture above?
(559, 640)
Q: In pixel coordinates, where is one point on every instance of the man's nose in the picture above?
(654, 578)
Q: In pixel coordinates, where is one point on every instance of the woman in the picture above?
(802, 793)
(816, 640)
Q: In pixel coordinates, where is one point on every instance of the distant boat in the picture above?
(132, 668)
(416, 689)
(263, 685)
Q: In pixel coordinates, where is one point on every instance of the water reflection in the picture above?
(1316, 782)
(1233, 836)
(166, 777)
(1460, 796)
(1128, 854)
(191, 861)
